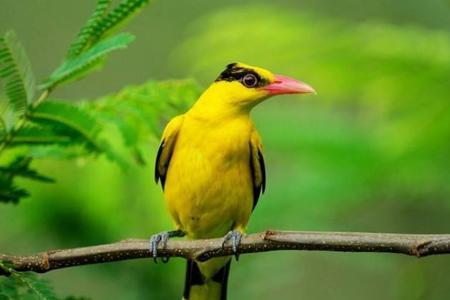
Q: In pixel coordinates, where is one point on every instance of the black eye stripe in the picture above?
(236, 73)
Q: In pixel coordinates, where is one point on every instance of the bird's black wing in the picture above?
(257, 168)
(166, 149)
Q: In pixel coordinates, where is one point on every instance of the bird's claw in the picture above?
(235, 237)
(162, 238)
(155, 240)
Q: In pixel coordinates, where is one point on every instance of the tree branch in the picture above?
(418, 245)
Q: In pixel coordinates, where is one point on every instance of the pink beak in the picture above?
(287, 85)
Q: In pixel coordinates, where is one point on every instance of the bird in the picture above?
(211, 168)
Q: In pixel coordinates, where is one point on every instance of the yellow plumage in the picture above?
(208, 185)
(211, 166)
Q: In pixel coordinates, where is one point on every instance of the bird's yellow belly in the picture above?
(208, 185)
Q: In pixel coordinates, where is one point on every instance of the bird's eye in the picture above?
(250, 80)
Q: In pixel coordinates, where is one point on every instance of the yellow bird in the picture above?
(211, 167)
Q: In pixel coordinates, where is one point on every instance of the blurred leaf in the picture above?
(21, 167)
(138, 113)
(37, 135)
(58, 151)
(37, 288)
(15, 72)
(25, 285)
(11, 193)
(69, 119)
(77, 67)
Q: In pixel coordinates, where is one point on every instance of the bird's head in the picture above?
(243, 86)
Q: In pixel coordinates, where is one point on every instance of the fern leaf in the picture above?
(7, 116)
(36, 287)
(25, 285)
(75, 68)
(101, 23)
(15, 72)
(8, 287)
(83, 71)
(117, 17)
(70, 117)
(83, 39)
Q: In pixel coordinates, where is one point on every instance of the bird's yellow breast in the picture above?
(208, 186)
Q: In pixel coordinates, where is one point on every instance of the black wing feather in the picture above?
(263, 170)
(161, 176)
(258, 189)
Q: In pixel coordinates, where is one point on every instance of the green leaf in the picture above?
(88, 51)
(84, 37)
(122, 126)
(25, 285)
(11, 193)
(102, 23)
(15, 72)
(117, 17)
(8, 287)
(40, 135)
(37, 287)
(7, 116)
(21, 167)
(77, 67)
(138, 114)
(69, 119)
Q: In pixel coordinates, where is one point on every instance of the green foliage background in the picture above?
(370, 152)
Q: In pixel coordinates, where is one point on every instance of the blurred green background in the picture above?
(370, 152)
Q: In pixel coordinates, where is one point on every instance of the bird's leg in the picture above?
(162, 238)
(235, 237)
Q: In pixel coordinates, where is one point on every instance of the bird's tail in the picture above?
(207, 280)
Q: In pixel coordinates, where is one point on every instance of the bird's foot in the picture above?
(161, 239)
(235, 237)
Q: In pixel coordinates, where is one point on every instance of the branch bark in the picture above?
(418, 245)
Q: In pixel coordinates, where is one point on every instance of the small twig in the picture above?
(418, 245)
